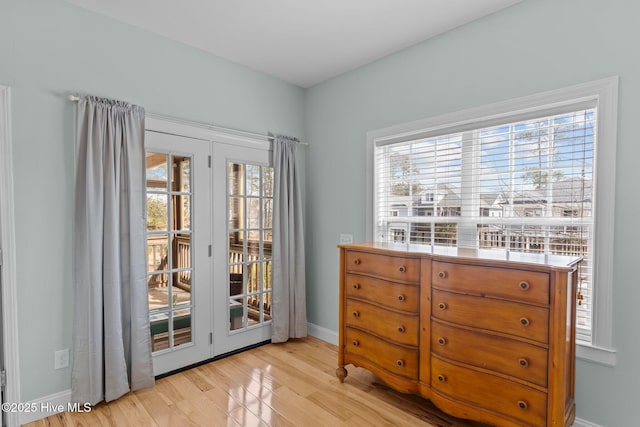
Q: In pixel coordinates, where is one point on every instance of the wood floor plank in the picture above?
(244, 394)
(294, 379)
(222, 400)
(278, 385)
(202, 411)
(257, 369)
(301, 411)
(245, 417)
(319, 353)
(131, 411)
(347, 409)
(256, 391)
(188, 389)
(198, 379)
(159, 405)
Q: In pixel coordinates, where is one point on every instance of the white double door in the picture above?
(209, 210)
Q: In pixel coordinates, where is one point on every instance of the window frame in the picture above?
(602, 93)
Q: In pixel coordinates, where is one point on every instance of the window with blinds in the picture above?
(524, 184)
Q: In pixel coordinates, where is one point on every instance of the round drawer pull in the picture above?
(442, 341)
(402, 269)
(355, 343)
(524, 321)
(522, 404)
(442, 275)
(442, 306)
(442, 378)
(523, 362)
(356, 261)
(400, 362)
(401, 297)
(356, 314)
(524, 285)
(401, 329)
(356, 286)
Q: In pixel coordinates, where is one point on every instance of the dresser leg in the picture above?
(341, 373)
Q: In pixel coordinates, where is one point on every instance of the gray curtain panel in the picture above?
(112, 345)
(289, 300)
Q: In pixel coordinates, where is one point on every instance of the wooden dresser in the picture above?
(485, 335)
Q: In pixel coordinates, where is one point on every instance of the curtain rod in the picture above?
(76, 98)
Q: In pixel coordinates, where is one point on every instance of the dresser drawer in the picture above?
(519, 285)
(390, 294)
(502, 396)
(383, 266)
(396, 359)
(515, 358)
(401, 328)
(526, 321)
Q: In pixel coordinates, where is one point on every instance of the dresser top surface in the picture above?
(448, 253)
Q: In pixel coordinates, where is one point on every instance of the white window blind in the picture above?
(524, 184)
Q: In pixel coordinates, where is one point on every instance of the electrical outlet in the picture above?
(61, 359)
(345, 239)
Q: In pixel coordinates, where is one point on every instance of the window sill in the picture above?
(600, 355)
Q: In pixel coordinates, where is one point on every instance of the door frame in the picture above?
(7, 243)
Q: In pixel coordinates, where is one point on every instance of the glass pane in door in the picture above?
(250, 217)
(169, 258)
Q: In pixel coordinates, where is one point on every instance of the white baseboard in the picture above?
(46, 406)
(584, 423)
(322, 333)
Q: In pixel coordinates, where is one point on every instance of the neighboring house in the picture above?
(565, 198)
(491, 204)
(440, 200)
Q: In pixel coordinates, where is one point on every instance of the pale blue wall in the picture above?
(49, 49)
(534, 46)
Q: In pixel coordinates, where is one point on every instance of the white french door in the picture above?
(178, 188)
(209, 233)
(242, 232)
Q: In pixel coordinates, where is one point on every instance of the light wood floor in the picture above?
(291, 384)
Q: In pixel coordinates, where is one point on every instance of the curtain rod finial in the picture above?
(73, 98)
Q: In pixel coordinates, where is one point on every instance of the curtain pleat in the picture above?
(112, 345)
(289, 298)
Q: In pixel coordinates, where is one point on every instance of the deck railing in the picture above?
(156, 251)
(183, 261)
(157, 261)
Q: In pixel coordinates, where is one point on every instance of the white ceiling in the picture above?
(303, 42)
